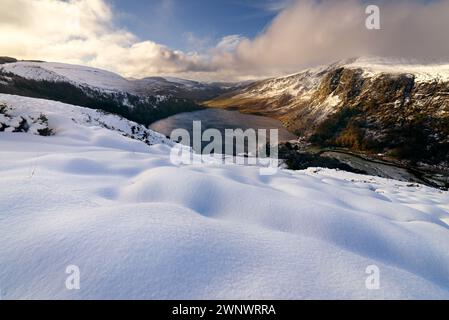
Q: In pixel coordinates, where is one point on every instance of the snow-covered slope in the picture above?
(374, 66)
(103, 80)
(303, 85)
(75, 74)
(21, 114)
(138, 226)
(92, 88)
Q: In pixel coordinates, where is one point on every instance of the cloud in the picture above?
(303, 34)
(275, 5)
(229, 43)
(197, 44)
(82, 31)
(311, 32)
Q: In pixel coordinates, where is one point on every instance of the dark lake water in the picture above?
(221, 120)
(224, 119)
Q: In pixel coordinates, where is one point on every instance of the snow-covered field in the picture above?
(139, 226)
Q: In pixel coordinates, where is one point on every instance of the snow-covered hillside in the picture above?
(303, 85)
(21, 114)
(92, 88)
(374, 66)
(138, 226)
(75, 74)
(110, 82)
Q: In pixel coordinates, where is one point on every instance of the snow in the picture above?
(332, 100)
(95, 78)
(423, 72)
(66, 119)
(301, 85)
(139, 226)
(75, 74)
(299, 91)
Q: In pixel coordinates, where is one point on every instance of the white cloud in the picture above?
(317, 32)
(229, 43)
(82, 31)
(196, 43)
(276, 5)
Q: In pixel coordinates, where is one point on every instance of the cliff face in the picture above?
(400, 110)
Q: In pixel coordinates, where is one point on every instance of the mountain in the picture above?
(93, 190)
(380, 106)
(143, 101)
(182, 88)
(80, 76)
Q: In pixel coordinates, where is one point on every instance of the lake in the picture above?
(225, 119)
(221, 120)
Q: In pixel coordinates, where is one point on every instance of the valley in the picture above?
(357, 110)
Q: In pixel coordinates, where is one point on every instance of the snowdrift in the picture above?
(140, 227)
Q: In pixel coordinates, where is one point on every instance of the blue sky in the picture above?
(191, 24)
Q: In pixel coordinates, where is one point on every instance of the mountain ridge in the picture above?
(88, 87)
(364, 104)
(112, 82)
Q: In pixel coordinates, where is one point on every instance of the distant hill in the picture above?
(7, 60)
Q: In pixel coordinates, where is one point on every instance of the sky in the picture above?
(195, 24)
(219, 40)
